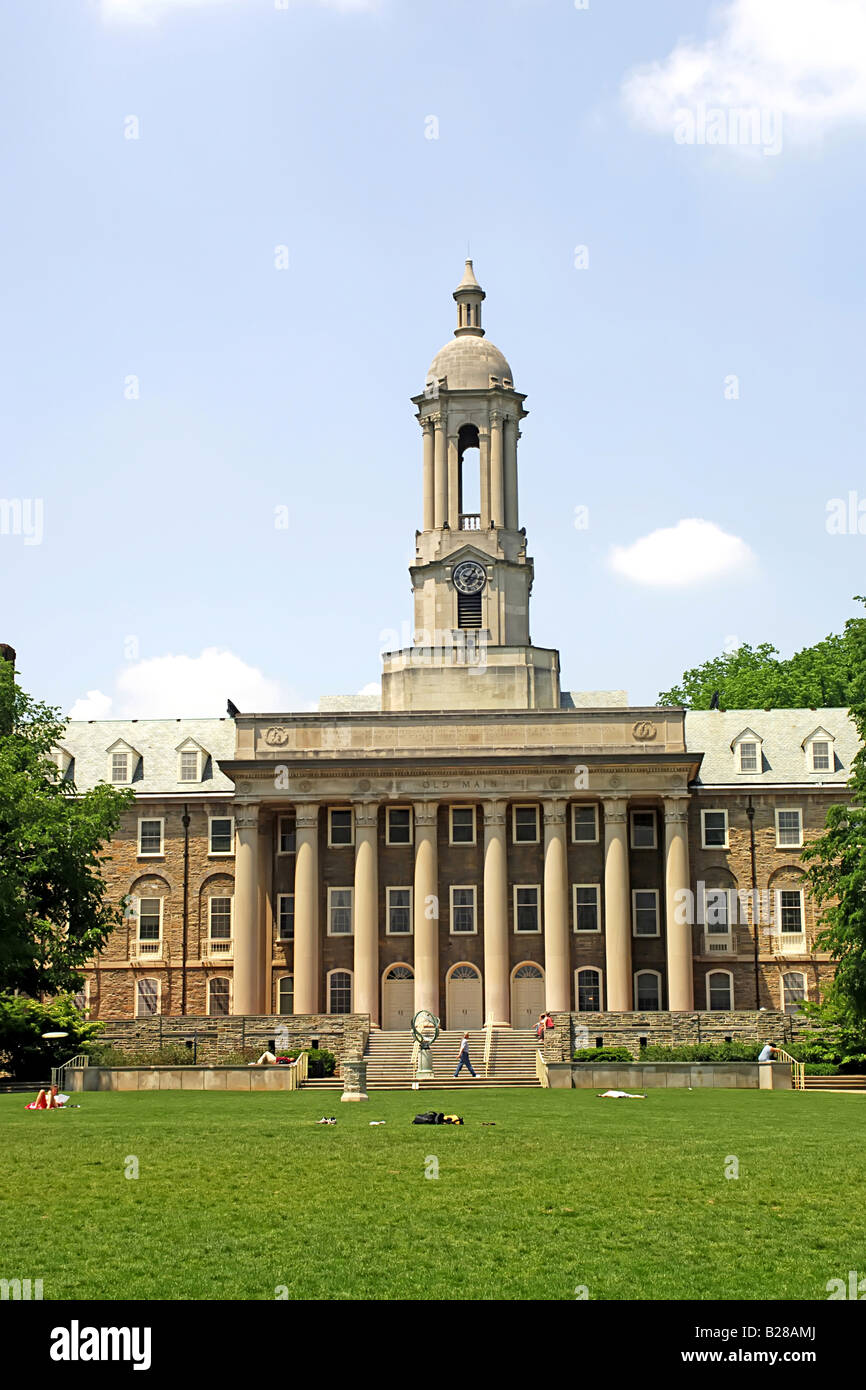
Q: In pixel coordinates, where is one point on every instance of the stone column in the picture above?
(681, 992)
(497, 492)
(497, 993)
(484, 490)
(306, 957)
(440, 471)
(455, 502)
(557, 953)
(367, 910)
(617, 905)
(510, 472)
(429, 486)
(426, 908)
(248, 985)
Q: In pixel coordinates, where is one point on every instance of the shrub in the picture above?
(704, 1052)
(821, 1069)
(603, 1054)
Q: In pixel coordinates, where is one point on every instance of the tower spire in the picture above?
(469, 296)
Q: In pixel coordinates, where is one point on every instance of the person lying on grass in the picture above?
(48, 1100)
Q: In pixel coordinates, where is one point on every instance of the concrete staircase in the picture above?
(836, 1083)
(512, 1060)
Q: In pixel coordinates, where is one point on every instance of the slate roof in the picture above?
(782, 732)
(157, 741)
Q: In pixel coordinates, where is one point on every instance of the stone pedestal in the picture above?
(354, 1079)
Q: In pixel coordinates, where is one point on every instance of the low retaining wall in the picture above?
(662, 1029)
(645, 1076)
(268, 1078)
(343, 1034)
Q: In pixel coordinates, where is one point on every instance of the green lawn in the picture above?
(240, 1194)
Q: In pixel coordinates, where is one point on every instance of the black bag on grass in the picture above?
(430, 1117)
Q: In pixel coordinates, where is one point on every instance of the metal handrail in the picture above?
(75, 1063)
(798, 1069)
(488, 1043)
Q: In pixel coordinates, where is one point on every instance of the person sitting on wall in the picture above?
(539, 1027)
(768, 1053)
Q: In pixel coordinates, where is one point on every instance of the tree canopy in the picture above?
(758, 678)
(53, 911)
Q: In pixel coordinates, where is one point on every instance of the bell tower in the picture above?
(472, 577)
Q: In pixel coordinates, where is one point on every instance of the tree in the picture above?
(24, 1051)
(837, 860)
(757, 678)
(53, 913)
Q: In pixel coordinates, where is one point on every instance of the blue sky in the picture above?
(166, 387)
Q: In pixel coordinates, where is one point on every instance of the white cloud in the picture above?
(371, 688)
(677, 557)
(167, 687)
(804, 61)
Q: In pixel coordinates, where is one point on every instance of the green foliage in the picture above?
(704, 1052)
(835, 1035)
(837, 867)
(603, 1054)
(24, 1053)
(53, 913)
(757, 678)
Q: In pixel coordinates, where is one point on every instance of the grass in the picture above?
(238, 1195)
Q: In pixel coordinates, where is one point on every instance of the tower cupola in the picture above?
(469, 296)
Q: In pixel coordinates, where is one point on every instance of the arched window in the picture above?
(720, 990)
(340, 992)
(647, 991)
(588, 991)
(286, 995)
(468, 473)
(528, 972)
(464, 972)
(218, 997)
(793, 991)
(400, 972)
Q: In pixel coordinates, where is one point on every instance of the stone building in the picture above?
(479, 842)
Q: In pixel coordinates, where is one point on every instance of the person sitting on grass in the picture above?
(47, 1100)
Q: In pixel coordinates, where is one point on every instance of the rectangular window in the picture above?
(527, 907)
(586, 907)
(120, 767)
(149, 919)
(584, 825)
(719, 991)
(222, 835)
(588, 991)
(340, 826)
(340, 911)
(286, 917)
(789, 830)
(462, 910)
(147, 998)
(463, 825)
(714, 829)
(287, 835)
(150, 837)
(398, 825)
(218, 992)
(748, 757)
(221, 919)
(793, 991)
(399, 902)
(821, 756)
(645, 909)
(647, 991)
(643, 829)
(189, 767)
(286, 995)
(525, 825)
(790, 911)
(717, 916)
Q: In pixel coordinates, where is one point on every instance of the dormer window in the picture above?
(191, 758)
(189, 767)
(123, 763)
(65, 763)
(120, 767)
(746, 749)
(818, 750)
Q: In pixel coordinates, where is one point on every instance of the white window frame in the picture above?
(148, 979)
(280, 899)
(340, 970)
(220, 853)
(525, 806)
(586, 931)
(782, 992)
(597, 970)
(584, 806)
(722, 941)
(524, 887)
(647, 970)
(342, 888)
(152, 853)
(399, 888)
(750, 739)
(781, 931)
(828, 744)
(289, 820)
(341, 844)
(789, 811)
(130, 767)
(279, 980)
(644, 811)
(189, 753)
(462, 844)
(644, 935)
(463, 887)
(729, 1008)
(149, 940)
(227, 941)
(211, 980)
(399, 844)
(714, 811)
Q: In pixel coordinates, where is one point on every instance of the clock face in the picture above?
(469, 577)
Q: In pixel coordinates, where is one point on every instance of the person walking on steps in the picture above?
(463, 1057)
